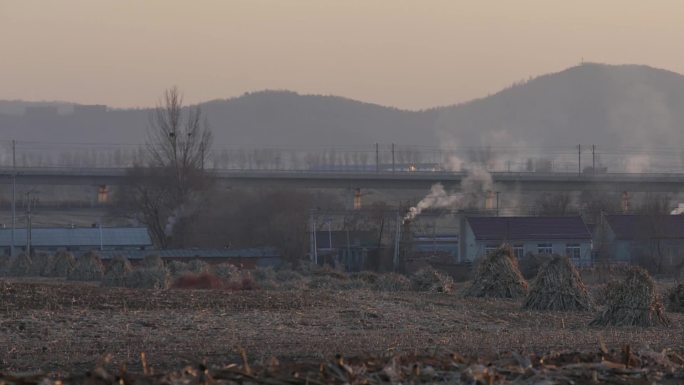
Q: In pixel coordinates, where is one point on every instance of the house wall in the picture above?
(476, 248)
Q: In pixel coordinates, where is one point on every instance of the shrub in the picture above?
(198, 266)
(288, 275)
(198, 281)
(225, 270)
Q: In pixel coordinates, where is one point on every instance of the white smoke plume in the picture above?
(638, 163)
(474, 188)
(437, 198)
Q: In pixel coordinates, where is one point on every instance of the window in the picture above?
(518, 251)
(573, 250)
(490, 249)
(544, 248)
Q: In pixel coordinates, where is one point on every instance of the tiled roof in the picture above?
(79, 236)
(629, 227)
(528, 228)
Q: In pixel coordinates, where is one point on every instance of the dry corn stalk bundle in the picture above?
(153, 262)
(498, 276)
(558, 286)
(675, 299)
(88, 267)
(61, 264)
(632, 302)
(148, 279)
(40, 262)
(116, 273)
(21, 266)
(429, 279)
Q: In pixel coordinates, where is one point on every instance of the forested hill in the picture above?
(627, 105)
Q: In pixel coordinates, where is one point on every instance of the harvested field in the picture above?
(624, 366)
(53, 325)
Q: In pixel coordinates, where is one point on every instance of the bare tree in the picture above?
(178, 139)
(553, 204)
(167, 190)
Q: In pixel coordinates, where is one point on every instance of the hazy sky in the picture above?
(409, 54)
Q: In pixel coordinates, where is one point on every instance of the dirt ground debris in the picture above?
(57, 327)
(624, 366)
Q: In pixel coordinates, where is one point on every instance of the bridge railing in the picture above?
(359, 159)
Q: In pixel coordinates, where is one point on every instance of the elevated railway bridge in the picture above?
(97, 178)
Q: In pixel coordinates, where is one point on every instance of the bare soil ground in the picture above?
(58, 327)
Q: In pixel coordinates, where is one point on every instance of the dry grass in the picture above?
(56, 325)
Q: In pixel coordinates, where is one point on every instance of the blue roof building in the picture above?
(78, 239)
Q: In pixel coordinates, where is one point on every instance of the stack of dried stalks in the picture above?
(429, 279)
(148, 278)
(61, 264)
(117, 270)
(88, 267)
(558, 286)
(40, 262)
(20, 266)
(152, 262)
(632, 302)
(675, 299)
(498, 276)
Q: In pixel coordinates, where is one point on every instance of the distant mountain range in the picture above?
(626, 105)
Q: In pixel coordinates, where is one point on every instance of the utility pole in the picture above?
(579, 159)
(101, 241)
(28, 223)
(14, 195)
(593, 158)
(497, 203)
(392, 157)
(377, 157)
(397, 236)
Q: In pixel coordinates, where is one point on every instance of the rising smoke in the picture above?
(474, 187)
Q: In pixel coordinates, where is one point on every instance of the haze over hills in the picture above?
(626, 105)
